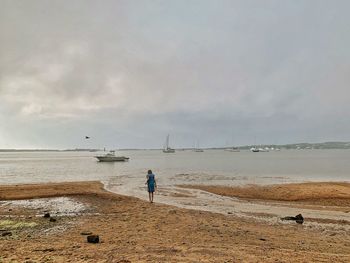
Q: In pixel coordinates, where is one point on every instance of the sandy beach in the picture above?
(132, 230)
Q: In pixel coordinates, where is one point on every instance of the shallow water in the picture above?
(209, 167)
(56, 206)
(215, 167)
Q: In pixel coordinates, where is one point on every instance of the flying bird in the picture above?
(87, 137)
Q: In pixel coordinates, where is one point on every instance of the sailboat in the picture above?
(197, 149)
(255, 149)
(232, 149)
(167, 149)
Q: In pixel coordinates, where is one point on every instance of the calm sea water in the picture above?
(183, 167)
(186, 167)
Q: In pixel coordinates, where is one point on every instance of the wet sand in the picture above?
(132, 230)
(332, 194)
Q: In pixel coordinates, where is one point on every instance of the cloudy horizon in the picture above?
(127, 73)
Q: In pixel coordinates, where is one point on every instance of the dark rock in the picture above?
(47, 215)
(6, 233)
(86, 233)
(298, 218)
(230, 213)
(93, 239)
(262, 239)
(53, 219)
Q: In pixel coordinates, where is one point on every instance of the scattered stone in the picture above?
(93, 239)
(262, 239)
(6, 233)
(47, 215)
(230, 213)
(298, 218)
(53, 219)
(86, 233)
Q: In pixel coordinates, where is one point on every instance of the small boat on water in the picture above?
(266, 149)
(254, 149)
(167, 149)
(232, 149)
(111, 157)
(198, 150)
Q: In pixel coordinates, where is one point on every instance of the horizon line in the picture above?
(213, 147)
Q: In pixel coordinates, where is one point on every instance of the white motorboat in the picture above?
(264, 149)
(111, 157)
(254, 149)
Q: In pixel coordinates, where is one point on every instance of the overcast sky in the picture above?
(129, 72)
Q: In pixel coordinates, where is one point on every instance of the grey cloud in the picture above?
(130, 72)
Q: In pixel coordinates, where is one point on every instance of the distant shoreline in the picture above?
(294, 146)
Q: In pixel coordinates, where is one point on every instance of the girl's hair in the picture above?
(149, 171)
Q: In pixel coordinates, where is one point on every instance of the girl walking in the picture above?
(151, 183)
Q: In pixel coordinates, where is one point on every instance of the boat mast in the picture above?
(167, 142)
